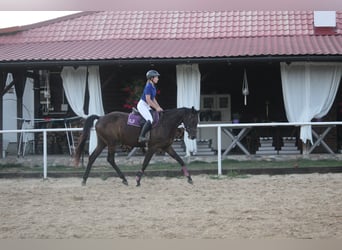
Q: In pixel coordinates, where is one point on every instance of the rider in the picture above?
(148, 102)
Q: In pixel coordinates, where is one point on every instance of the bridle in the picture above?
(191, 130)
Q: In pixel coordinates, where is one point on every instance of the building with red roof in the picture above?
(112, 36)
(223, 44)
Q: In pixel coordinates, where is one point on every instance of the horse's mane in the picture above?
(167, 113)
(173, 110)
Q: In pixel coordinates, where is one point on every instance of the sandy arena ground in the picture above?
(258, 207)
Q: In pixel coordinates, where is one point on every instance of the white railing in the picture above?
(218, 126)
(44, 131)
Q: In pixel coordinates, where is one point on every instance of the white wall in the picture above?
(10, 111)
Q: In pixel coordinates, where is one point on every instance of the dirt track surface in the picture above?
(288, 206)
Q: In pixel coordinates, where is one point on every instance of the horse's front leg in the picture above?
(175, 156)
(147, 159)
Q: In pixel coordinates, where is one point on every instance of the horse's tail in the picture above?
(84, 137)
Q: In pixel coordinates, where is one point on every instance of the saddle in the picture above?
(137, 120)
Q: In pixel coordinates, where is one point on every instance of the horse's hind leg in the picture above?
(92, 158)
(147, 159)
(175, 156)
(111, 160)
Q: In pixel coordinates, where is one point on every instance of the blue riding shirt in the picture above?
(149, 89)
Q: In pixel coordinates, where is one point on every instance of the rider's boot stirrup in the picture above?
(142, 137)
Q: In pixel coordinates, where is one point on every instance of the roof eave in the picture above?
(122, 61)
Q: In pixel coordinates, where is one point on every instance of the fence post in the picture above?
(219, 160)
(45, 153)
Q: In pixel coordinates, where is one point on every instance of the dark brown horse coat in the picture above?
(112, 131)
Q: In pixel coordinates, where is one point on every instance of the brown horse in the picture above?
(112, 130)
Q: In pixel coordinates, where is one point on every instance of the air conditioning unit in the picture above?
(324, 19)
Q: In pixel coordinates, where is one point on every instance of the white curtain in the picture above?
(74, 84)
(309, 90)
(188, 95)
(95, 101)
(28, 104)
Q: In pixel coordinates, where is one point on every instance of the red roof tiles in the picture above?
(171, 34)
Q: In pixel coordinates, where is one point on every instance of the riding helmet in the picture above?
(151, 73)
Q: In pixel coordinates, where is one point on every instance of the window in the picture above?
(215, 108)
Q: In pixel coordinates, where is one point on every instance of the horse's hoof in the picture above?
(138, 178)
(83, 183)
(190, 180)
(125, 182)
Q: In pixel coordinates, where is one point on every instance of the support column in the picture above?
(19, 79)
(3, 77)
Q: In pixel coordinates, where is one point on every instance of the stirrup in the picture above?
(142, 139)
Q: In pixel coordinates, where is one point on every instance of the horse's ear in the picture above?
(193, 110)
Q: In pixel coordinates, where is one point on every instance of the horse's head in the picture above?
(190, 121)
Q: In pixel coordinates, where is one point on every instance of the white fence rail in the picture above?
(44, 131)
(218, 126)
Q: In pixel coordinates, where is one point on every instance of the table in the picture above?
(320, 138)
(26, 124)
(236, 139)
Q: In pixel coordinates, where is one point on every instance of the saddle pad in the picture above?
(135, 119)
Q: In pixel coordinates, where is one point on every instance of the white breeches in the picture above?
(144, 110)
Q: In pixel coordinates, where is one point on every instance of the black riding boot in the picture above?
(147, 126)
